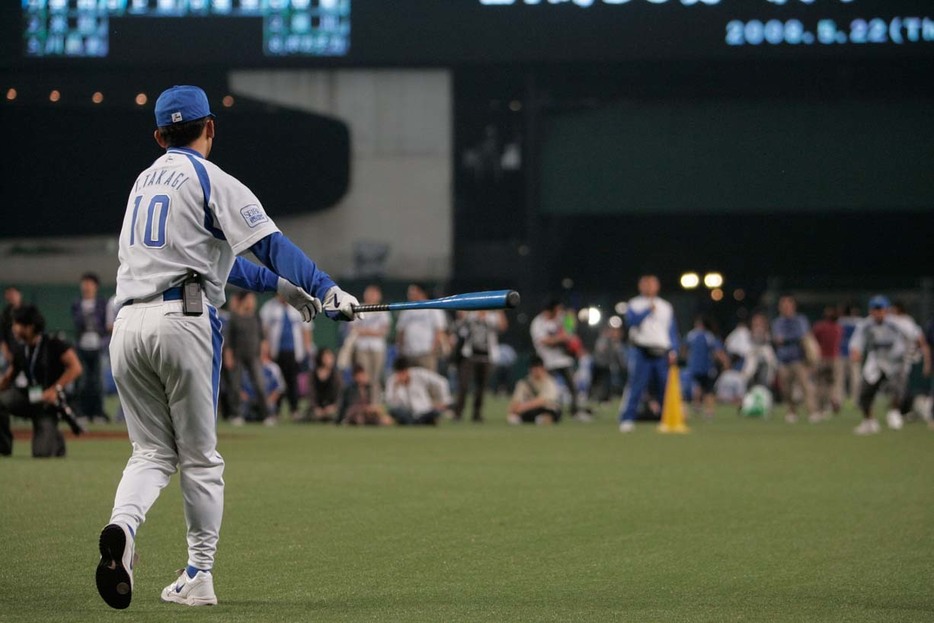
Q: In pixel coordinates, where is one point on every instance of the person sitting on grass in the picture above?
(535, 399)
(273, 389)
(358, 405)
(416, 395)
(325, 389)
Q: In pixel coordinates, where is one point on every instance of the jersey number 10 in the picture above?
(156, 213)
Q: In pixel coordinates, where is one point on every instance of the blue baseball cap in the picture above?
(879, 302)
(180, 104)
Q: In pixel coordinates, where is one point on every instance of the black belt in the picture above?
(172, 294)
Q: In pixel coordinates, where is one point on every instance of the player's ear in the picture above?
(160, 140)
(209, 129)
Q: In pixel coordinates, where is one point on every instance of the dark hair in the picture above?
(898, 306)
(536, 362)
(91, 277)
(30, 316)
(552, 303)
(357, 369)
(182, 134)
(319, 356)
(401, 364)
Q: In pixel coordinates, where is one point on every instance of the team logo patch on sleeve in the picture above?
(253, 215)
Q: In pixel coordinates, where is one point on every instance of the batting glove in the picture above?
(299, 299)
(338, 305)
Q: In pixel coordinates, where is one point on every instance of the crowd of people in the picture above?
(423, 365)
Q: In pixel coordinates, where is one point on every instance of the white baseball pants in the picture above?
(166, 367)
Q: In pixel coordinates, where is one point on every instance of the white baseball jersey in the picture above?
(554, 357)
(655, 329)
(885, 346)
(184, 213)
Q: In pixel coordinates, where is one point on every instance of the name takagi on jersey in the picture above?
(174, 180)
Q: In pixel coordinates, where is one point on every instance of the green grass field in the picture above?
(741, 520)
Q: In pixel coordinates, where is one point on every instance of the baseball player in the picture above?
(653, 333)
(186, 222)
(885, 345)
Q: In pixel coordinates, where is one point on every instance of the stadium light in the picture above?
(621, 308)
(11, 94)
(615, 322)
(98, 97)
(55, 95)
(713, 280)
(716, 294)
(689, 281)
(141, 99)
(228, 101)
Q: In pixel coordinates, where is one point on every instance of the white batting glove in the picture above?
(338, 305)
(299, 299)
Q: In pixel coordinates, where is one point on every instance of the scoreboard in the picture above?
(447, 32)
(81, 28)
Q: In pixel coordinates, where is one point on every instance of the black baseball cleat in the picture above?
(115, 570)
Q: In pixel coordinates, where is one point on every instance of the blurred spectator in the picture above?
(789, 330)
(478, 341)
(731, 385)
(829, 334)
(760, 366)
(504, 358)
(653, 334)
(885, 347)
(325, 389)
(608, 360)
(369, 339)
(535, 399)
(852, 369)
(416, 395)
(89, 313)
(13, 300)
(290, 343)
(242, 342)
(273, 388)
(739, 342)
(553, 344)
(919, 351)
(421, 333)
(31, 387)
(703, 350)
(359, 406)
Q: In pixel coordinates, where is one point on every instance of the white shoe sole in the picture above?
(188, 601)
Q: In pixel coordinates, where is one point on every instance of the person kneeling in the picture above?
(32, 385)
(416, 395)
(535, 399)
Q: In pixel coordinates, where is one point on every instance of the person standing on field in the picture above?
(369, 335)
(789, 331)
(186, 221)
(421, 333)
(290, 343)
(829, 335)
(653, 336)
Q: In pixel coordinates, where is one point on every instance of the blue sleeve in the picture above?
(673, 335)
(247, 275)
(634, 319)
(282, 257)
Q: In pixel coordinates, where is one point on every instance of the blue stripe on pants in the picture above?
(217, 339)
(642, 371)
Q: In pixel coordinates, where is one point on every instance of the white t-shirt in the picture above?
(419, 327)
(424, 390)
(271, 316)
(554, 357)
(372, 321)
(655, 329)
(184, 213)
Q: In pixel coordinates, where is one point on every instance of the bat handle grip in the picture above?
(362, 309)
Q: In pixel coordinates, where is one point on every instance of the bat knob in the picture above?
(512, 299)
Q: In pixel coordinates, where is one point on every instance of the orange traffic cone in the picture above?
(673, 407)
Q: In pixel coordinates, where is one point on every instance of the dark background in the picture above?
(842, 117)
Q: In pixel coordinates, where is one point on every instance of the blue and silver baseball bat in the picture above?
(471, 301)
